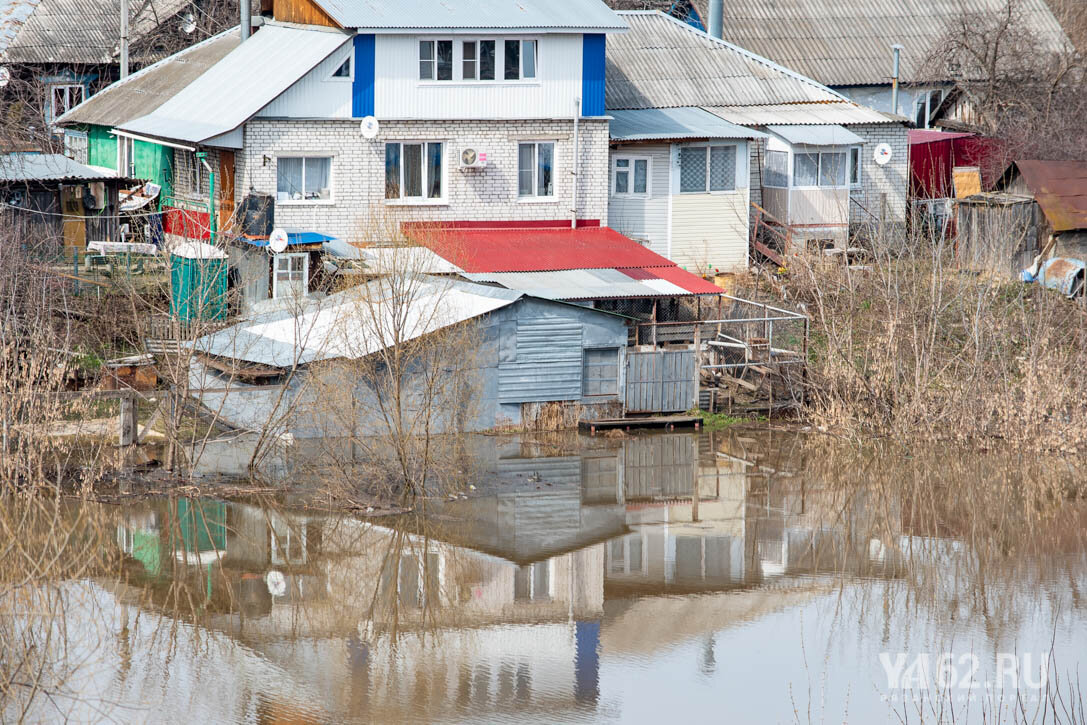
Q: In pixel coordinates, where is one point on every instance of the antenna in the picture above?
(277, 241)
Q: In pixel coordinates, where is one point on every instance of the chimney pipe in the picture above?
(717, 18)
(124, 38)
(247, 19)
(897, 50)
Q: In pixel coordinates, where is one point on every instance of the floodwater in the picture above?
(745, 576)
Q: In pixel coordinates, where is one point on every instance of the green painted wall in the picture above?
(153, 162)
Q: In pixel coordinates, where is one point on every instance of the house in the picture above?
(58, 203)
(1034, 201)
(529, 351)
(816, 164)
(57, 53)
(847, 45)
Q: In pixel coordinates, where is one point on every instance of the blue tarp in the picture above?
(295, 236)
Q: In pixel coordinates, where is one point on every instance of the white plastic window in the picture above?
(304, 178)
(536, 169)
(630, 176)
(435, 60)
(707, 168)
(291, 278)
(414, 170)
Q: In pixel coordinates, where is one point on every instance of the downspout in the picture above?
(203, 158)
(897, 50)
(717, 18)
(577, 159)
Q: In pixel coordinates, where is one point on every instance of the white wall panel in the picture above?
(316, 95)
(399, 94)
(643, 217)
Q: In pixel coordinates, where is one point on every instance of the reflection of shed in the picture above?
(51, 199)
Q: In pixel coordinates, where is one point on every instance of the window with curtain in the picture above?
(832, 169)
(707, 168)
(414, 170)
(826, 169)
(304, 178)
(536, 169)
(630, 176)
(805, 169)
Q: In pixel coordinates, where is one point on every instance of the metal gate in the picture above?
(660, 381)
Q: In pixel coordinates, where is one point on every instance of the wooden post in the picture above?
(127, 427)
(697, 363)
(654, 323)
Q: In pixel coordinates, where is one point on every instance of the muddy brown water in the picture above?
(741, 576)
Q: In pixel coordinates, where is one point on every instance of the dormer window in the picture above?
(344, 69)
(435, 60)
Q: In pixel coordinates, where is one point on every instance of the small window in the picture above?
(291, 277)
(486, 60)
(707, 168)
(469, 60)
(855, 166)
(413, 170)
(600, 372)
(76, 145)
(775, 169)
(344, 69)
(520, 60)
(536, 169)
(435, 60)
(305, 178)
(805, 169)
(63, 98)
(630, 176)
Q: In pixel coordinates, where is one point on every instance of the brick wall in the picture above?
(891, 179)
(186, 185)
(358, 171)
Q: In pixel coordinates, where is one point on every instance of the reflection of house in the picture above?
(822, 146)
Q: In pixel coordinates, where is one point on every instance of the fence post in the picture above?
(697, 364)
(75, 268)
(127, 428)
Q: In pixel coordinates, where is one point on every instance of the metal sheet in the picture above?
(145, 90)
(548, 362)
(580, 284)
(242, 83)
(1060, 188)
(469, 15)
(46, 167)
(822, 135)
(673, 123)
(848, 42)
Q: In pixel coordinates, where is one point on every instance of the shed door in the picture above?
(547, 365)
(660, 381)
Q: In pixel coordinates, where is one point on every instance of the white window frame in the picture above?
(126, 157)
(281, 555)
(67, 88)
(858, 182)
(434, 60)
(499, 60)
(305, 156)
(706, 188)
(77, 145)
(788, 169)
(287, 256)
(535, 196)
(349, 59)
(423, 200)
(819, 153)
(630, 185)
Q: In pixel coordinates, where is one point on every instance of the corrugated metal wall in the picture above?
(660, 381)
(547, 365)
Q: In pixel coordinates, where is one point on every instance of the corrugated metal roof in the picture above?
(848, 42)
(927, 135)
(673, 123)
(840, 112)
(390, 260)
(76, 31)
(346, 324)
(1060, 188)
(822, 135)
(468, 15)
(539, 249)
(145, 90)
(582, 284)
(665, 63)
(247, 79)
(46, 167)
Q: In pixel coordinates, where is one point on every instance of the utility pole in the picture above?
(124, 38)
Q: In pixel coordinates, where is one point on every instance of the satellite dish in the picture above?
(189, 24)
(5, 76)
(369, 127)
(277, 241)
(276, 583)
(882, 154)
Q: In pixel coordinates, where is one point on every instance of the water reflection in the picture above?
(584, 580)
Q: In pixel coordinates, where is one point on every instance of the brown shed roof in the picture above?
(1060, 188)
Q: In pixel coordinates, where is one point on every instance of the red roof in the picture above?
(538, 249)
(677, 276)
(928, 135)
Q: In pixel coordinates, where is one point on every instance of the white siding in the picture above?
(709, 231)
(399, 94)
(640, 217)
(316, 95)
